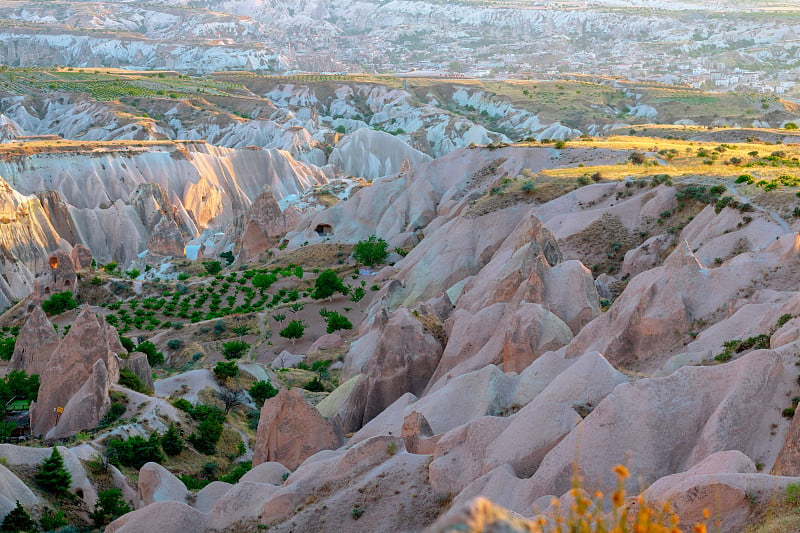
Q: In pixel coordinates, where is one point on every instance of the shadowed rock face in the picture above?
(73, 377)
(35, 344)
(290, 430)
(262, 226)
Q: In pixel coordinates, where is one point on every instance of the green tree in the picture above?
(131, 381)
(52, 519)
(154, 357)
(226, 369)
(171, 441)
(208, 432)
(213, 267)
(371, 252)
(7, 345)
(52, 476)
(264, 280)
(109, 506)
(18, 520)
(127, 343)
(294, 330)
(314, 385)
(790, 126)
(337, 322)
(357, 294)
(59, 302)
(234, 349)
(18, 384)
(227, 256)
(135, 451)
(327, 284)
(261, 391)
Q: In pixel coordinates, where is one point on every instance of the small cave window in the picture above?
(66, 283)
(324, 229)
(53, 262)
(47, 290)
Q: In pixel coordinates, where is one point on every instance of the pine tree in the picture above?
(18, 520)
(52, 476)
(171, 442)
(110, 506)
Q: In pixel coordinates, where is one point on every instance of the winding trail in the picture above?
(775, 216)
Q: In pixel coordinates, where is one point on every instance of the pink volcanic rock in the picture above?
(495, 305)
(658, 307)
(727, 410)
(481, 515)
(788, 461)
(645, 256)
(166, 239)
(272, 473)
(459, 454)
(263, 225)
(532, 330)
(157, 484)
(245, 500)
(71, 365)
(81, 257)
(290, 430)
(569, 292)
(417, 434)
(329, 341)
(390, 486)
(138, 364)
(87, 406)
(210, 495)
(36, 341)
(404, 360)
(725, 483)
(530, 436)
(714, 235)
(163, 516)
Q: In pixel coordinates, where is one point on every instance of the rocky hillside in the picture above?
(486, 325)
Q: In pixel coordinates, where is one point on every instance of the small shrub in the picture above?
(783, 320)
(371, 251)
(135, 451)
(154, 357)
(234, 349)
(261, 391)
(110, 506)
(293, 331)
(7, 345)
(213, 267)
(174, 344)
(223, 370)
(171, 441)
(130, 380)
(314, 385)
(183, 404)
(58, 303)
(51, 519)
(336, 322)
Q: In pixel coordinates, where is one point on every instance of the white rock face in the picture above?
(373, 154)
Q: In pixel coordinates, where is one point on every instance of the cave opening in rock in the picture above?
(324, 229)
